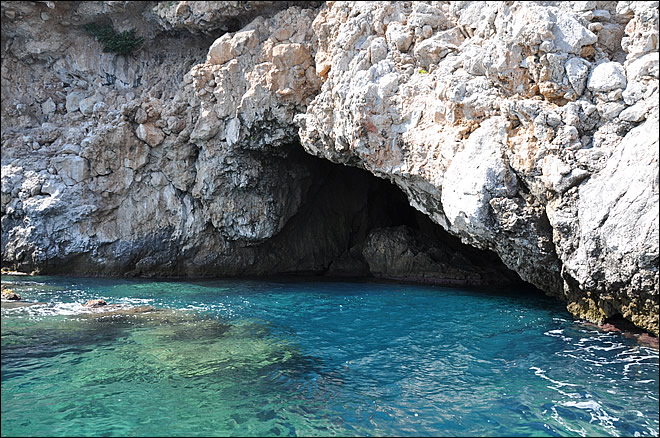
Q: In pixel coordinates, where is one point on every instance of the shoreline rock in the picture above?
(19, 304)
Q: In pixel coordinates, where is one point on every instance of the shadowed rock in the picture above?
(404, 253)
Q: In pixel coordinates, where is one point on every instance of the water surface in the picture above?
(287, 358)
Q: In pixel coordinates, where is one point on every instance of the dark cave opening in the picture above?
(348, 224)
(354, 224)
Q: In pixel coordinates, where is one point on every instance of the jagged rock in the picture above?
(613, 251)
(577, 70)
(569, 35)
(642, 29)
(477, 174)
(645, 67)
(71, 168)
(48, 107)
(210, 16)
(98, 185)
(427, 142)
(87, 104)
(635, 113)
(558, 176)
(73, 101)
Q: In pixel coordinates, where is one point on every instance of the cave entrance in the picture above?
(354, 224)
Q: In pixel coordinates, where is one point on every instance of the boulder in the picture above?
(606, 77)
(73, 101)
(150, 134)
(95, 303)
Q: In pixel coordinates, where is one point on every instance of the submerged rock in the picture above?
(117, 311)
(18, 304)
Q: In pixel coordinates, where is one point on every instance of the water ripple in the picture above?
(315, 358)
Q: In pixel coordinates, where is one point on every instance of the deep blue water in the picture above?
(291, 357)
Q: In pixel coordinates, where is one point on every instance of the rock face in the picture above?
(511, 125)
(525, 129)
(162, 176)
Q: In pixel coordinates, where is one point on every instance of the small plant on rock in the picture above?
(121, 43)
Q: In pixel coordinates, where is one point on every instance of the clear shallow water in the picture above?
(278, 358)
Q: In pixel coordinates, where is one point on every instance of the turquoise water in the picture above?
(286, 358)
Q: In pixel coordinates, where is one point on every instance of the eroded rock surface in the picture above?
(511, 125)
(152, 163)
(525, 128)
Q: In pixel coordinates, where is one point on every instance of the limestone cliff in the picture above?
(526, 129)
